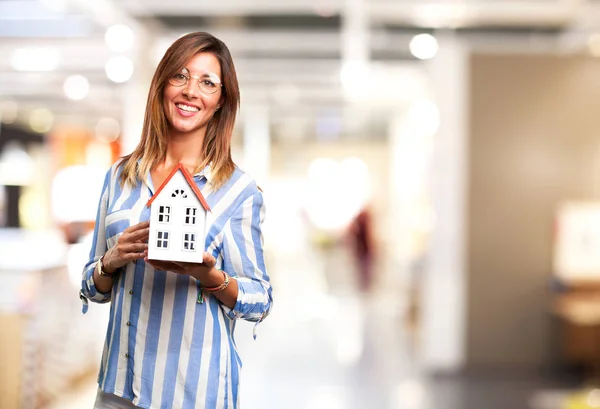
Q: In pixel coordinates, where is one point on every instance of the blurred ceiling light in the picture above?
(424, 117)
(356, 79)
(76, 87)
(119, 38)
(8, 111)
(41, 120)
(35, 59)
(16, 166)
(594, 44)
(423, 46)
(119, 69)
(107, 130)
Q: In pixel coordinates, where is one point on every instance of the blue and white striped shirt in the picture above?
(164, 349)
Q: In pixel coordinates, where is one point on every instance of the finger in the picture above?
(132, 247)
(137, 235)
(142, 225)
(127, 257)
(126, 239)
(137, 256)
(118, 256)
(136, 227)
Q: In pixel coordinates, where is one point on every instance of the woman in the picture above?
(169, 342)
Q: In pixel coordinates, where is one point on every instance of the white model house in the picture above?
(177, 219)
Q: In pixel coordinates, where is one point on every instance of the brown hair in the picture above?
(217, 142)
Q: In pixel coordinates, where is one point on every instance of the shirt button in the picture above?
(128, 323)
(126, 355)
(130, 292)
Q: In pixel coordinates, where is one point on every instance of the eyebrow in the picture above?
(205, 75)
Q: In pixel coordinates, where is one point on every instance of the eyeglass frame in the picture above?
(197, 78)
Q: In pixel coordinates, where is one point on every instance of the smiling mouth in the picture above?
(187, 108)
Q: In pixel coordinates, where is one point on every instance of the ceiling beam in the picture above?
(414, 12)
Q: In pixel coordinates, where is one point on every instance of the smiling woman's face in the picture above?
(188, 108)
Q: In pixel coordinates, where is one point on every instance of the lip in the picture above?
(186, 113)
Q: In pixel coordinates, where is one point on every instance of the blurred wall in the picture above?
(534, 141)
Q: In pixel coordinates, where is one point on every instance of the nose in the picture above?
(191, 89)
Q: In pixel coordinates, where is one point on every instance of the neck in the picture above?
(185, 149)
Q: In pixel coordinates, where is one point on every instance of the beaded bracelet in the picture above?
(220, 287)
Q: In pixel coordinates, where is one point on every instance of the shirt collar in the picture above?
(206, 172)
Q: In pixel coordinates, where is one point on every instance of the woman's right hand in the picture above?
(130, 246)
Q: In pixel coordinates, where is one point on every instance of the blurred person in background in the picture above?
(169, 341)
(360, 239)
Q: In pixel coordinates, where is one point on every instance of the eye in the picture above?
(179, 76)
(209, 83)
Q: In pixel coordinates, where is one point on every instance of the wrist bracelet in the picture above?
(100, 266)
(220, 287)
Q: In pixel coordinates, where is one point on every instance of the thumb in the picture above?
(208, 259)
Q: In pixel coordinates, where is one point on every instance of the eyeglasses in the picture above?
(208, 83)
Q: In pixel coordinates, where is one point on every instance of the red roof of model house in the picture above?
(190, 181)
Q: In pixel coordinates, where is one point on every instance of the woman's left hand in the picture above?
(204, 272)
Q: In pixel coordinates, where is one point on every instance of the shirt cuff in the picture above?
(92, 293)
(252, 304)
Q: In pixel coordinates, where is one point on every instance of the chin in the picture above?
(187, 128)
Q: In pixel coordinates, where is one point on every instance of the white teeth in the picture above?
(187, 108)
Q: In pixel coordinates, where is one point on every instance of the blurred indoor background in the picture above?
(432, 177)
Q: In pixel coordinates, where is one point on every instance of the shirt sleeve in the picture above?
(99, 247)
(243, 259)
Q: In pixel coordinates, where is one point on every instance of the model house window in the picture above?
(189, 241)
(162, 241)
(179, 193)
(190, 215)
(163, 213)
